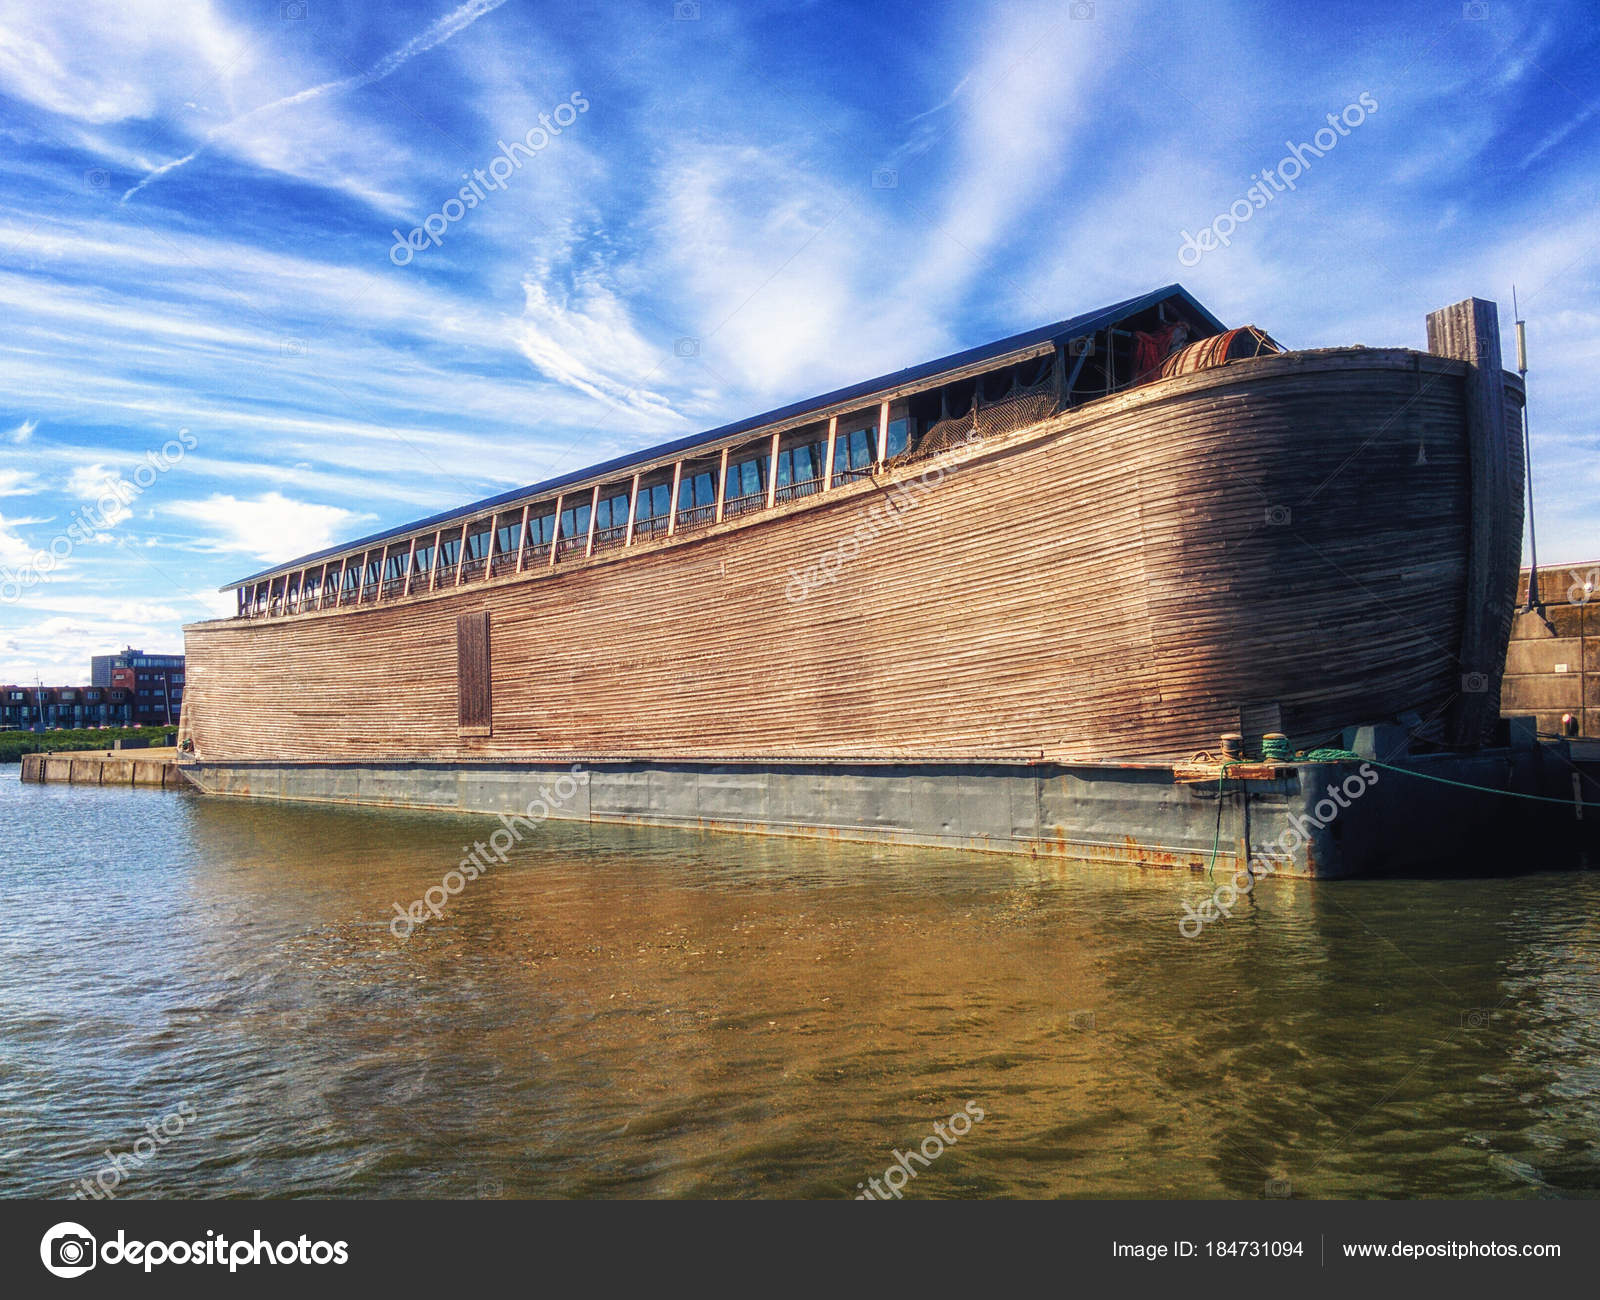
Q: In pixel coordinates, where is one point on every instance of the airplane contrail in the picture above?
(437, 34)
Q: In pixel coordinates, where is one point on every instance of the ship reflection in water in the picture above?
(619, 1012)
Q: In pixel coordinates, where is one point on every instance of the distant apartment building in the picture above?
(156, 683)
(27, 707)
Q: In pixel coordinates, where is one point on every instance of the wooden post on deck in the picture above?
(405, 576)
(772, 472)
(594, 515)
(827, 463)
(722, 483)
(633, 510)
(1470, 331)
(555, 533)
(522, 536)
(883, 433)
(672, 506)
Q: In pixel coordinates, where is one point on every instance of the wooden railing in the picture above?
(736, 506)
(799, 488)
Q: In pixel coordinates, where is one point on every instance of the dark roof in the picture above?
(1076, 327)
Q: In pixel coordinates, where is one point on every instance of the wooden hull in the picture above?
(1279, 544)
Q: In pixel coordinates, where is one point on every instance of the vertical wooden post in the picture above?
(633, 510)
(772, 472)
(883, 433)
(672, 506)
(833, 441)
(461, 555)
(1470, 331)
(722, 483)
(405, 574)
(488, 546)
(555, 533)
(594, 516)
(522, 536)
(433, 562)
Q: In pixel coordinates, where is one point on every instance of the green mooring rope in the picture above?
(1216, 840)
(1345, 756)
(1327, 755)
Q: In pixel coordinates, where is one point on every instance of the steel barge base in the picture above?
(1316, 820)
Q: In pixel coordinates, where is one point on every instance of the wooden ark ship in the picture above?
(999, 600)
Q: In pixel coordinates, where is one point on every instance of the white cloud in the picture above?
(270, 527)
(104, 61)
(585, 338)
(15, 551)
(18, 482)
(23, 432)
(98, 485)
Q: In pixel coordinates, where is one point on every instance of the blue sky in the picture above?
(201, 202)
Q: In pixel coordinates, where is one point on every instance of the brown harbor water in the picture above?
(618, 1012)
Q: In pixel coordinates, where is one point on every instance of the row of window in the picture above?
(599, 521)
(90, 695)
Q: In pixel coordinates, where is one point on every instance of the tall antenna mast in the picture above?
(1533, 601)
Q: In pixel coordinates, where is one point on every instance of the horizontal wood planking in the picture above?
(1109, 584)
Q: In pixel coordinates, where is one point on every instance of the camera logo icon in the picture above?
(68, 1250)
